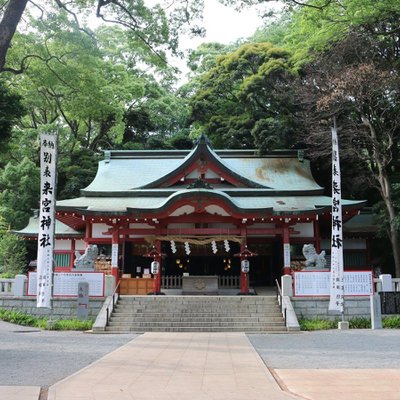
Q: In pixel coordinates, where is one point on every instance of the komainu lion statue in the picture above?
(86, 260)
(313, 260)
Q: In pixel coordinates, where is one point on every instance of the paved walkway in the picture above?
(212, 366)
(175, 366)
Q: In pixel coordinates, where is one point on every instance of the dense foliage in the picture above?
(112, 87)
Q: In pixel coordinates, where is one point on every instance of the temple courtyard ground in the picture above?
(355, 364)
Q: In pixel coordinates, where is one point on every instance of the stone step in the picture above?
(198, 299)
(211, 308)
(196, 313)
(195, 318)
(257, 329)
(150, 314)
(196, 323)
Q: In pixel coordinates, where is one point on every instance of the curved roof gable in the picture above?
(204, 157)
(130, 172)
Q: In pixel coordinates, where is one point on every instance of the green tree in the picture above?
(358, 82)
(19, 192)
(152, 28)
(11, 111)
(246, 99)
(12, 255)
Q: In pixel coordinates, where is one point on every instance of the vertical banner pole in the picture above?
(336, 302)
(48, 161)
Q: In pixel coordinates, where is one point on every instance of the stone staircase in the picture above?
(196, 314)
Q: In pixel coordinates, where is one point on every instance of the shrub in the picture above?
(360, 323)
(316, 324)
(20, 318)
(391, 322)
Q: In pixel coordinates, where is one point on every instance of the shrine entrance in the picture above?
(201, 261)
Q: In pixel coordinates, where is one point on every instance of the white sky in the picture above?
(225, 25)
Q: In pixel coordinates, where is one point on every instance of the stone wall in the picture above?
(317, 307)
(65, 308)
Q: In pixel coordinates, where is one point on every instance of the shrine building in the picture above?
(200, 212)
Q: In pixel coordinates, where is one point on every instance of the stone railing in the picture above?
(6, 287)
(394, 285)
(14, 287)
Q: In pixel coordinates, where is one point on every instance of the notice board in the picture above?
(317, 283)
(66, 283)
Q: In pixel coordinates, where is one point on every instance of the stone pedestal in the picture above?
(287, 285)
(344, 325)
(198, 284)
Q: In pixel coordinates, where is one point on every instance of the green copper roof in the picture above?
(61, 229)
(263, 204)
(134, 170)
(151, 181)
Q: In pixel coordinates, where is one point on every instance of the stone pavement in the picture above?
(342, 384)
(175, 366)
(213, 366)
(19, 392)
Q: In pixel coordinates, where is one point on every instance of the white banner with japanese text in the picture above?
(336, 301)
(48, 159)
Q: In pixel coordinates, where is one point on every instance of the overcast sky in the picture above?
(224, 25)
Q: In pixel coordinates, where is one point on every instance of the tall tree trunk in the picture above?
(381, 162)
(393, 232)
(8, 26)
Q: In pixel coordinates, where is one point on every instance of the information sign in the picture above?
(66, 283)
(317, 283)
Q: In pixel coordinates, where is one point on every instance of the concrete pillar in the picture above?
(376, 312)
(19, 286)
(109, 285)
(387, 284)
(287, 285)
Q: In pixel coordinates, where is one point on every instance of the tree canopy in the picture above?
(111, 86)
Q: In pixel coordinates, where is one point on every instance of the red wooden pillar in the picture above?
(72, 254)
(244, 277)
(114, 254)
(317, 236)
(157, 278)
(88, 233)
(286, 250)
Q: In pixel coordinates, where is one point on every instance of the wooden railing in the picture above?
(171, 282)
(228, 281)
(175, 281)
